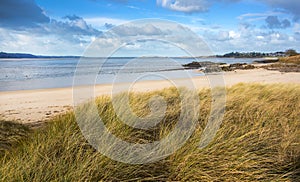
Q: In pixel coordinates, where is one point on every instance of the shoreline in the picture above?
(33, 106)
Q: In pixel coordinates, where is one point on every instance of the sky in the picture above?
(68, 27)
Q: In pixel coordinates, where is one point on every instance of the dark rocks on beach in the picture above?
(209, 67)
(192, 65)
(265, 61)
(283, 67)
(195, 65)
(205, 66)
(238, 66)
(226, 68)
(242, 66)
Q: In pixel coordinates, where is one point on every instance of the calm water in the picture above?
(27, 74)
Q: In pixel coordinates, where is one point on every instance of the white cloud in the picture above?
(14, 41)
(259, 37)
(99, 22)
(249, 38)
(234, 35)
(251, 17)
(71, 25)
(190, 6)
(150, 38)
(133, 30)
(187, 6)
(68, 36)
(296, 28)
(133, 7)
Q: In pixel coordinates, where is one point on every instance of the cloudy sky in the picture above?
(67, 27)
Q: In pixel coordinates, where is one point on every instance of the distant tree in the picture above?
(291, 52)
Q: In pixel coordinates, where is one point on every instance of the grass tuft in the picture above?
(11, 135)
(259, 139)
(291, 59)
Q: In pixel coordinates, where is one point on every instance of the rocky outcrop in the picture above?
(209, 67)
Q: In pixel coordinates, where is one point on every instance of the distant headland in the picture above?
(25, 55)
(287, 53)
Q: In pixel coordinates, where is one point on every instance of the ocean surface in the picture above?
(29, 74)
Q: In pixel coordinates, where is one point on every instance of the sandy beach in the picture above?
(33, 106)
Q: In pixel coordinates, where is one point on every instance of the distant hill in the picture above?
(252, 55)
(228, 55)
(16, 55)
(24, 55)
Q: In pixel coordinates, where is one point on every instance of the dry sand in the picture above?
(35, 106)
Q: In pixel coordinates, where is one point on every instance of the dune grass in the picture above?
(259, 139)
(11, 135)
(291, 59)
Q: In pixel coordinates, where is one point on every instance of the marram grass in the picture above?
(259, 139)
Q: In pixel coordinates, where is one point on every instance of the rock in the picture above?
(209, 67)
(266, 60)
(197, 65)
(193, 64)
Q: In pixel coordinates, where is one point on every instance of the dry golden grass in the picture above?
(11, 134)
(292, 59)
(259, 140)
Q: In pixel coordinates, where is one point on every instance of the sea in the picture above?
(34, 73)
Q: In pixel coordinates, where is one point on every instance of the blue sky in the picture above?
(67, 27)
